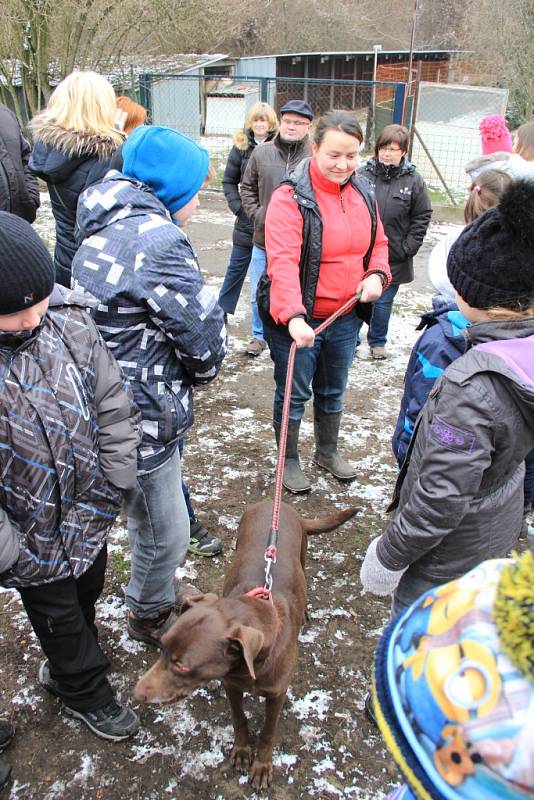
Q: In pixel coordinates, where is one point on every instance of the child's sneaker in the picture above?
(202, 542)
(6, 733)
(150, 630)
(5, 772)
(47, 681)
(113, 721)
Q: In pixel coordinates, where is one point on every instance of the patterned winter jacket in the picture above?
(459, 494)
(68, 439)
(441, 343)
(162, 324)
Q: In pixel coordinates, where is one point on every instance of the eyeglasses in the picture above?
(390, 149)
(298, 123)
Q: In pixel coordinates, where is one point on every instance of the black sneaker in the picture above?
(6, 733)
(113, 721)
(151, 630)
(47, 681)
(5, 773)
(202, 542)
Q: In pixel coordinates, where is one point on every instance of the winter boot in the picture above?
(326, 455)
(294, 479)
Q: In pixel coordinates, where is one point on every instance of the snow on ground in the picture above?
(198, 743)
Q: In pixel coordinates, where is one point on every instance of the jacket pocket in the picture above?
(170, 421)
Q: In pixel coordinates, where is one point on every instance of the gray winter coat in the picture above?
(459, 495)
(68, 442)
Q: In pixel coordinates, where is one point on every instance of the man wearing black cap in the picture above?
(266, 169)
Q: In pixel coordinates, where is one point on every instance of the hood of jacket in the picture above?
(388, 172)
(451, 321)
(132, 198)
(505, 348)
(58, 152)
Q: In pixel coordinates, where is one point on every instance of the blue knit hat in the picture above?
(172, 165)
(454, 686)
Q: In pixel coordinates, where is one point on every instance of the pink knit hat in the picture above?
(494, 135)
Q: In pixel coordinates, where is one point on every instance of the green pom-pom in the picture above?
(513, 612)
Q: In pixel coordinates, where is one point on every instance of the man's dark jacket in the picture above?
(267, 167)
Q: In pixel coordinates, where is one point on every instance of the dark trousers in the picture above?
(62, 614)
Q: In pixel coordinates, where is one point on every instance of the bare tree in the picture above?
(502, 37)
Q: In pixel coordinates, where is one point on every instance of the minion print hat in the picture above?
(454, 686)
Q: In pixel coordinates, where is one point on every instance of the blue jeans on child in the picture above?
(158, 530)
(323, 367)
(235, 276)
(409, 589)
(378, 329)
(258, 262)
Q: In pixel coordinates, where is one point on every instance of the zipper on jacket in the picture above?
(341, 200)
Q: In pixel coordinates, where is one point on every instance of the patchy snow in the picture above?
(190, 741)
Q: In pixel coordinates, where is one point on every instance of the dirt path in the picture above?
(326, 747)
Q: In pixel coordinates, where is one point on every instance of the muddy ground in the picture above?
(326, 747)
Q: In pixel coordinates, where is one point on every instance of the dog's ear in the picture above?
(190, 600)
(250, 641)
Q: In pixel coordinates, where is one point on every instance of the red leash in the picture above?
(271, 551)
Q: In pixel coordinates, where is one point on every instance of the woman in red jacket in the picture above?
(325, 243)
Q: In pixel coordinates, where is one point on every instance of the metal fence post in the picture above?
(144, 92)
(264, 90)
(398, 103)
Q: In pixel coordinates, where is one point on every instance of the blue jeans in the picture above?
(185, 488)
(409, 589)
(529, 481)
(158, 530)
(378, 329)
(258, 262)
(323, 367)
(234, 278)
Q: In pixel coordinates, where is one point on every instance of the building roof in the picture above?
(352, 53)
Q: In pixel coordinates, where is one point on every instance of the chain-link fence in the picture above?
(210, 109)
(446, 133)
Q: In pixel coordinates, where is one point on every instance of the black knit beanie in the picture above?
(492, 262)
(26, 268)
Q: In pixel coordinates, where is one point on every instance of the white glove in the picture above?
(375, 577)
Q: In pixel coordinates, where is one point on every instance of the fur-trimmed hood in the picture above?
(74, 144)
(244, 139)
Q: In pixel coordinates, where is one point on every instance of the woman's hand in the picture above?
(300, 331)
(371, 289)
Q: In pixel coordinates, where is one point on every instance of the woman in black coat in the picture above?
(261, 125)
(405, 211)
(74, 139)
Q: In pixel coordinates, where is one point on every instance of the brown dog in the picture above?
(249, 643)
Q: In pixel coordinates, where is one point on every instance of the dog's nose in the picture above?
(140, 692)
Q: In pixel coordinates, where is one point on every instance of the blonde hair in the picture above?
(485, 192)
(83, 102)
(501, 314)
(135, 114)
(262, 111)
(524, 141)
